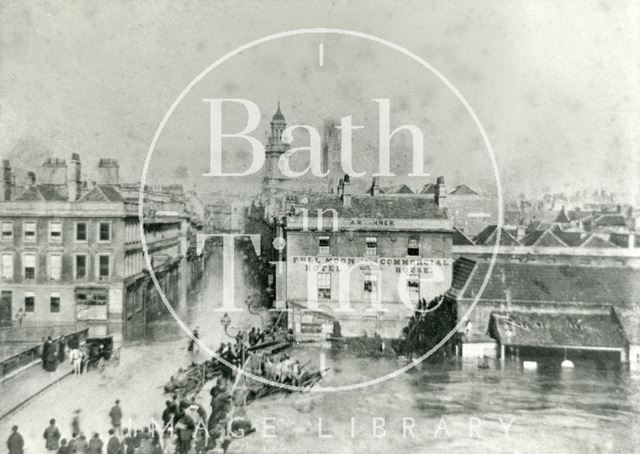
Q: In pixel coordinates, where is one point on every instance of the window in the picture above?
(29, 266)
(104, 266)
(55, 267)
(104, 231)
(30, 231)
(55, 231)
(413, 248)
(54, 302)
(324, 286)
(7, 231)
(372, 246)
(7, 266)
(29, 302)
(81, 231)
(81, 266)
(371, 287)
(413, 286)
(323, 245)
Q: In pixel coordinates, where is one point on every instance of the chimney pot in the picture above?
(108, 171)
(440, 193)
(346, 191)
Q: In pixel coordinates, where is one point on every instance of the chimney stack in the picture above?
(6, 184)
(375, 187)
(108, 171)
(440, 192)
(54, 171)
(74, 180)
(346, 191)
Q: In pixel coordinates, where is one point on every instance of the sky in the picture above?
(556, 85)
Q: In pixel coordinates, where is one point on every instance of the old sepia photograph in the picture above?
(320, 227)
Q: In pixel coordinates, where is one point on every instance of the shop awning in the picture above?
(562, 329)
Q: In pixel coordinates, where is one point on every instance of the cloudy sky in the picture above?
(555, 83)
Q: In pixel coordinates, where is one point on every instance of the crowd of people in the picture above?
(184, 430)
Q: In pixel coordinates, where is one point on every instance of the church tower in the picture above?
(274, 149)
(331, 156)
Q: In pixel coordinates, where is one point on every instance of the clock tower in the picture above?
(274, 179)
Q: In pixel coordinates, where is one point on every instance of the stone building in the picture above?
(71, 249)
(368, 262)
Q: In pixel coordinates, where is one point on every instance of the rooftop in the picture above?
(379, 206)
(544, 329)
(541, 283)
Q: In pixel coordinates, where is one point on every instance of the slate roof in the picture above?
(462, 189)
(462, 269)
(547, 282)
(545, 238)
(562, 218)
(460, 238)
(102, 193)
(545, 329)
(571, 239)
(622, 239)
(396, 189)
(596, 241)
(46, 192)
(610, 220)
(363, 206)
(489, 236)
(428, 188)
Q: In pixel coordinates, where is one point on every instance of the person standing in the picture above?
(44, 354)
(113, 445)
(20, 316)
(75, 357)
(52, 436)
(95, 444)
(82, 447)
(193, 346)
(75, 422)
(168, 415)
(116, 416)
(15, 443)
(51, 360)
(73, 442)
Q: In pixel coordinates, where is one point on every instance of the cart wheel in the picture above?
(101, 365)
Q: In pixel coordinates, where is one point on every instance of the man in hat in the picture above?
(52, 436)
(15, 443)
(116, 416)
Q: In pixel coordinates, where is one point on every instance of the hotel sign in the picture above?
(324, 221)
(401, 264)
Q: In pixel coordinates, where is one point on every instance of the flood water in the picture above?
(441, 408)
(454, 407)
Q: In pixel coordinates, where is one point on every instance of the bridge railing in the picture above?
(31, 353)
